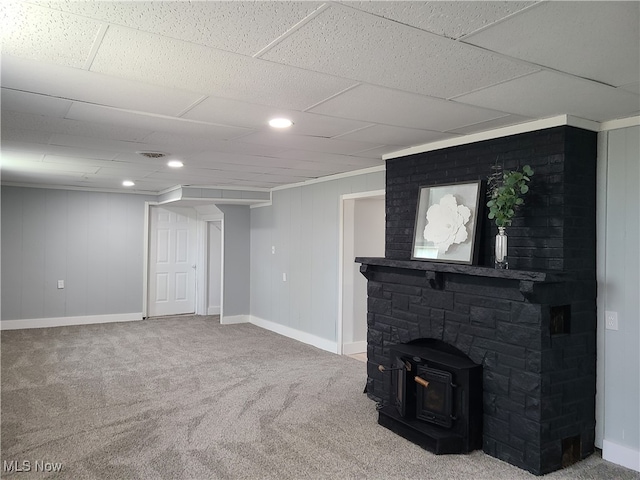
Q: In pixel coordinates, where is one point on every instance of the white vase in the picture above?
(501, 249)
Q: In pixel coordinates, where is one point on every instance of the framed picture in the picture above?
(446, 226)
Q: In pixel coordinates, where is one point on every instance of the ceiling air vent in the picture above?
(152, 154)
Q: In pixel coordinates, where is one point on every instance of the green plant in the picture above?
(505, 189)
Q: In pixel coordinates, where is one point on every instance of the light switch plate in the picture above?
(60, 283)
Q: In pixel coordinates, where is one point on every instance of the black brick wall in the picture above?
(539, 386)
(554, 230)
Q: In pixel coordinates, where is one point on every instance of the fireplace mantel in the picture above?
(435, 271)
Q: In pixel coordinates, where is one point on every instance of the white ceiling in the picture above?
(86, 85)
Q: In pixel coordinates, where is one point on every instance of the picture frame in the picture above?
(447, 223)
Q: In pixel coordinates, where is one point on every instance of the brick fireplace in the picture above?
(531, 328)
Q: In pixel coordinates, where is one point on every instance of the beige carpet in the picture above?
(187, 398)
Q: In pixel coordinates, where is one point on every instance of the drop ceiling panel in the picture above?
(284, 140)
(16, 156)
(632, 87)
(546, 94)
(491, 124)
(91, 87)
(178, 64)
(12, 135)
(449, 19)
(238, 159)
(190, 145)
(125, 118)
(47, 35)
(328, 159)
(394, 135)
(9, 164)
(353, 44)
(134, 167)
(234, 112)
(382, 105)
(582, 46)
(57, 150)
(240, 27)
(28, 121)
(17, 101)
(114, 146)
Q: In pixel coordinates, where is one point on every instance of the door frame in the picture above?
(342, 233)
(202, 259)
(202, 269)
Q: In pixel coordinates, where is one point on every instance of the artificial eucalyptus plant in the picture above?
(505, 190)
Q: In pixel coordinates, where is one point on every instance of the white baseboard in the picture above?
(354, 347)
(66, 321)
(621, 455)
(233, 319)
(213, 310)
(304, 337)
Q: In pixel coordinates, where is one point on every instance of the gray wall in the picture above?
(236, 260)
(92, 241)
(619, 288)
(303, 225)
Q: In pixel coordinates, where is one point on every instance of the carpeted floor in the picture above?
(187, 398)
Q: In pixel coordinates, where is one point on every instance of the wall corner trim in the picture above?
(621, 455)
(68, 321)
(304, 337)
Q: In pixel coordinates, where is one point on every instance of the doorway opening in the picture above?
(363, 235)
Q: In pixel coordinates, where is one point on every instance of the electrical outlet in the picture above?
(284, 277)
(273, 249)
(60, 284)
(611, 320)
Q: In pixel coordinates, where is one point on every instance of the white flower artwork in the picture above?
(446, 223)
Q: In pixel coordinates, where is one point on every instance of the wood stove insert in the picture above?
(435, 397)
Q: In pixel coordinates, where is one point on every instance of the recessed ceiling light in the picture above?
(280, 122)
(128, 183)
(175, 163)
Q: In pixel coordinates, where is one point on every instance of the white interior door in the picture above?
(172, 261)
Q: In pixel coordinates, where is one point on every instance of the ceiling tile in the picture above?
(354, 44)
(16, 156)
(330, 159)
(28, 121)
(10, 135)
(46, 35)
(546, 94)
(240, 27)
(17, 101)
(91, 87)
(20, 164)
(491, 124)
(632, 87)
(398, 136)
(30, 147)
(114, 146)
(449, 19)
(234, 112)
(582, 46)
(391, 107)
(179, 64)
(284, 140)
(98, 163)
(190, 145)
(138, 120)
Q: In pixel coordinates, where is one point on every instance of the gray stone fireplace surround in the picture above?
(533, 327)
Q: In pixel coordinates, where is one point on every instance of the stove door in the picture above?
(434, 396)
